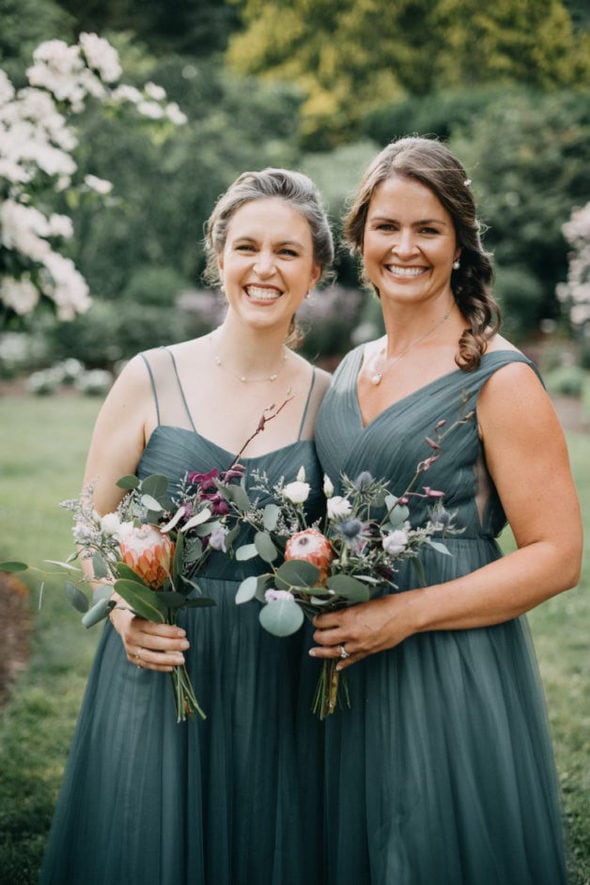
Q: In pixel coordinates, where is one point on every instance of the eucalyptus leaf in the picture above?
(349, 588)
(98, 612)
(13, 566)
(238, 495)
(265, 547)
(397, 514)
(247, 551)
(281, 617)
(440, 547)
(99, 566)
(262, 583)
(270, 516)
(193, 549)
(199, 518)
(143, 601)
(128, 482)
(297, 573)
(76, 597)
(66, 565)
(419, 569)
(247, 590)
(103, 591)
(150, 503)
(156, 486)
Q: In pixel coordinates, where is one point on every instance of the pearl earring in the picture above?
(456, 264)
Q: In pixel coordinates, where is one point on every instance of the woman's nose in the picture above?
(404, 244)
(264, 264)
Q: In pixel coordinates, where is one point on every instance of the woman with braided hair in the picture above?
(442, 771)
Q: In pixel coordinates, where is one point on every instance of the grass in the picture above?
(42, 451)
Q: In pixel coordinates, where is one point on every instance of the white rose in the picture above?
(296, 492)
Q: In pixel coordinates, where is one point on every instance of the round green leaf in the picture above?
(265, 547)
(349, 588)
(76, 597)
(281, 617)
(128, 482)
(270, 516)
(247, 551)
(297, 573)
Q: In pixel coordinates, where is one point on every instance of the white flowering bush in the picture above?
(575, 294)
(37, 145)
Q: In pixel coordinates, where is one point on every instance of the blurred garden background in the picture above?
(121, 121)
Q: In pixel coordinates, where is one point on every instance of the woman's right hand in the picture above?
(147, 644)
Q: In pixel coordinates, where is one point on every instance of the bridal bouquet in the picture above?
(151, 548)
(148, 551)
(345, 558)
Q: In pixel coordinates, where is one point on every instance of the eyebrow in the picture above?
(417, 223)
(248, 239)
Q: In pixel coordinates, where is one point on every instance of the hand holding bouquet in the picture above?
(348, 557)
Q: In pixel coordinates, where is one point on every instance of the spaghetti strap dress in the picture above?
(441, 772)
(229, 800)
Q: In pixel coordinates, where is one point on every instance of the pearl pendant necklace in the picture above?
(377, 377)
(242, 378)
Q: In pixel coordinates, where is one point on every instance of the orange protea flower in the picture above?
(311, 546)
(148, 552)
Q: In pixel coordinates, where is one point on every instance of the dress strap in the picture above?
(153, 383)
(309, 392)
(181, 389)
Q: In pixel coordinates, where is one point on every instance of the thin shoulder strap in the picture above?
(181, 390)
(311, 386)
(153, 383)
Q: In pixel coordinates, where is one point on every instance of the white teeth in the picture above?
(260, 294)
(405, 271)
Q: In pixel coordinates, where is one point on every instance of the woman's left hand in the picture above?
(363, 629)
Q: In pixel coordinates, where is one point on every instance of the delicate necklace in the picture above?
(377, 376)
(272, 377)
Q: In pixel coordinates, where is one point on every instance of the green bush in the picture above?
(566, 381)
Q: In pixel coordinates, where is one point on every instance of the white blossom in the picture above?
(100, 185)
(395, 542)
(101, 56)
(296, 492)
(20, 295)
(338, 507)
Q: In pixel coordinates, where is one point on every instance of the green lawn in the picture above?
(42, 450)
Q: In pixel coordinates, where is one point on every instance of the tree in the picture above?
(354, 56)
(37, 166)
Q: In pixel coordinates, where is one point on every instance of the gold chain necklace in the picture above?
(377, 376)
(242, 378)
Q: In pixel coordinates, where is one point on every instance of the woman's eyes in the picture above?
(390, 227)
(251, 248)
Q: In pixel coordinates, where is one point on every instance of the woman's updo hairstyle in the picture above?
(432, 164)
(294, 188)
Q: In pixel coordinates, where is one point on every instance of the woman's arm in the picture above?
(120, 436)
(527, 457)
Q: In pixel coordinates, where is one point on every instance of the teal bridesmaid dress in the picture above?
(441, 773)
(233, 799)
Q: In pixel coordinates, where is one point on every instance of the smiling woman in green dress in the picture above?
(147, 801)
(442, 771)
